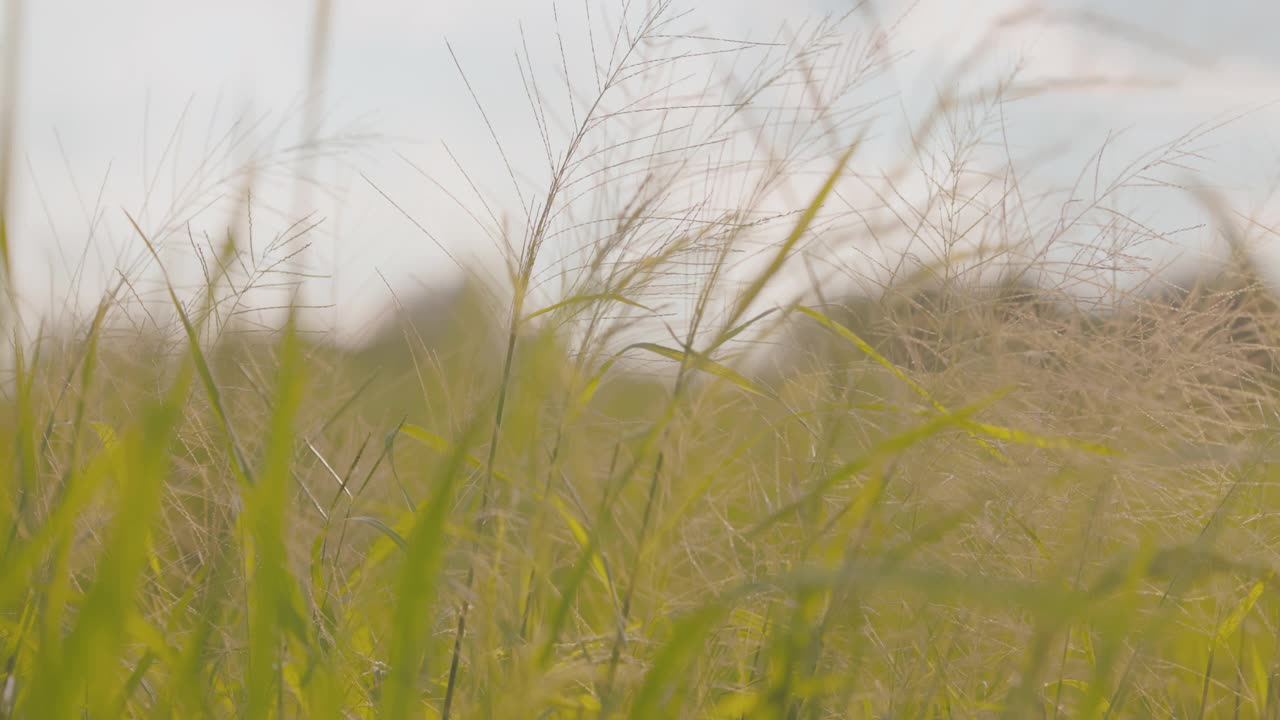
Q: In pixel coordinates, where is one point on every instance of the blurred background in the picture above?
(370, 135)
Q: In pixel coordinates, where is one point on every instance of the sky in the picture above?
(148, 107)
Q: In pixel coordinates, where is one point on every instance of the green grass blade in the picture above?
(78, 673)
(419, 582)
(238, 463)
(704, 364)
(897, 372)
(1236, 617)
(383, 528)
(668, 673)
(785, 248)
(585, 300)
(439, 444)
(882, 451)
(274, 597)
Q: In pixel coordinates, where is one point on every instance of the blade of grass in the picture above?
(700, 362)
(585, 300)
(882, 451)
(96, 639)
(439, 444)
(274, 598)
(783, 253)
(897, 372)
(418, 586)
(236, 457)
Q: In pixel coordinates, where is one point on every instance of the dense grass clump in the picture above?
(666, 488)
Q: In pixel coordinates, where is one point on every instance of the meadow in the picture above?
(659, 486)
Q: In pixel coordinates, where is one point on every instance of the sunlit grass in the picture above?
(952, 499)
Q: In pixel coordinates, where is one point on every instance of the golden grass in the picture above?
(949, 498)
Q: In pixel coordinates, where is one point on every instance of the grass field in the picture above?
(955, 497)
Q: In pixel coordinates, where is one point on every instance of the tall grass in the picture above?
(951, 497)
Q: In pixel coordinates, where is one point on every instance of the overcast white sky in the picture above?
(121, 103)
